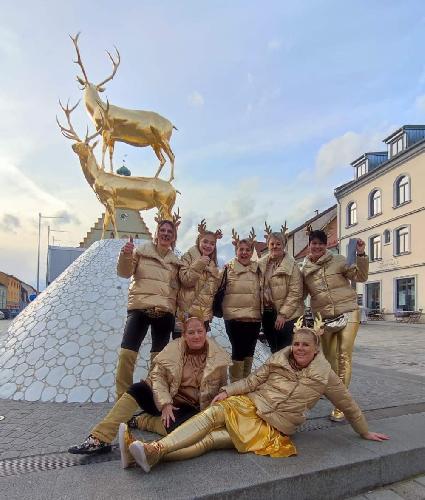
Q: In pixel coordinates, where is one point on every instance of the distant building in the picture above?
(10, 287)
(58, 259)
(384, 206)
(129, 223)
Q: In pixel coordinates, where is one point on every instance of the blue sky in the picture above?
(272, 101)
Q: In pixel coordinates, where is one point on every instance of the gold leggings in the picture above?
(217, 439)
(338, 347)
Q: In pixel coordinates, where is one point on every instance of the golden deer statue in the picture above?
(116, 191)
(137, 128)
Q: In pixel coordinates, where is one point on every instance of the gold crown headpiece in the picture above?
(236, 239)
(202, 229)
(317, 329)
(176, 218)
(268, 231)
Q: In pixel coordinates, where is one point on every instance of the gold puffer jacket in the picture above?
(327, 283)
(198, 284)
(282, 395)
(242, 300)
(286, 286)
(166, 373)
(154, 279)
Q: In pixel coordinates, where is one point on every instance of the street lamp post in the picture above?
(38, 248)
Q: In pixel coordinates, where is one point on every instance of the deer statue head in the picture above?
(85, 81)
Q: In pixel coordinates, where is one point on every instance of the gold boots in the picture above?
(146, 422)
(189, 433)
(247, 365)
(122, 411)
(125, 438)
(125, 369)
(236, 370)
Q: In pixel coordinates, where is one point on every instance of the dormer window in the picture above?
(396, 144)
(361, 169)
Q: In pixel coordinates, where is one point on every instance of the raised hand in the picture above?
(128, 248)
(360, 247)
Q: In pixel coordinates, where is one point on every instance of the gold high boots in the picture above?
(236, 370)
(189, 433)
(146, 422)
(125, 369)
(122, 411)
(247, 365)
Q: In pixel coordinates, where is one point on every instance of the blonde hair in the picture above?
(198, 244)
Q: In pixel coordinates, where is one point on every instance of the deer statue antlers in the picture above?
(202, 229)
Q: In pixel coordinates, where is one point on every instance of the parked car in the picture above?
(2, 316)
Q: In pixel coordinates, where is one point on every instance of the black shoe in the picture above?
(90, 446)
(132, 423)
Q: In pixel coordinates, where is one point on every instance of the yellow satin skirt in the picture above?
(250, 433)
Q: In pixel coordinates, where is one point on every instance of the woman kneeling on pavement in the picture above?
(282, 291)
(184, 379)
(259, 413)
(199, 276)
(241, 306)
(153, 269)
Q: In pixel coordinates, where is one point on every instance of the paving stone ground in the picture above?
(388, 375)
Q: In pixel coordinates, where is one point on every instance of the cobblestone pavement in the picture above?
(388, 372)
(413, 489)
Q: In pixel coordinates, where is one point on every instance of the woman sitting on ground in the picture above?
(259, 413)
(199, 276)
(184, 379)
(241, 306)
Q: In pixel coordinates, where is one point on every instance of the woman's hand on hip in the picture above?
(375, 436)
(280, 322)
(220, 396)
(167, 414)
(128, 247)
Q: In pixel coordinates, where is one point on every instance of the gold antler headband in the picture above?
(202, 229)
(317, 329)
(176, 220)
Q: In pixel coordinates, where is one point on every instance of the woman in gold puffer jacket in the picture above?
(153, 269)
(327, 280)
(242, 306)
(199, 276)
(282, 291)
(259, 413)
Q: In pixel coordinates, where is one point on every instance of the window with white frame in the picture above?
(387, 236)
(401, 190)
(397, 146)
(361, 170)
(405, 294)
(375, 203)
(402, 243)
(375, 247)
(351, 213)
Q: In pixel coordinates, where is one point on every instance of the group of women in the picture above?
(186, 397)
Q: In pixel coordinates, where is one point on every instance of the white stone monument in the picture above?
(63, 347)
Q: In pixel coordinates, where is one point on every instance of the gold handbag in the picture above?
(333, 325)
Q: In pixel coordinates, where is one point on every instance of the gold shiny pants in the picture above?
(338, 347)
(230, 423)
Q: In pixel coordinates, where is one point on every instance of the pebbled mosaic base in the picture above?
(63, 347)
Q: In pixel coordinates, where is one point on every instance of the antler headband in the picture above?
(236, 239)
(176, 219)
(202, 229)
(268, 230)
(317, 329)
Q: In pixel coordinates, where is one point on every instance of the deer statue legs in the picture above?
(159, 148)
(108, 143)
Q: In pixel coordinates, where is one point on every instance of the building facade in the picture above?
(11, 287)
(384, 206)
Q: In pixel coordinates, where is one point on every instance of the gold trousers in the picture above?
(122, 411)
(338, 347)
(230, 423)
(124, 372)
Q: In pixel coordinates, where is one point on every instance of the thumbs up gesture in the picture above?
(128, 248)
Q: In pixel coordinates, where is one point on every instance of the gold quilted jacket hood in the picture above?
(166, 373)
(327, 282)
(286, 286)
(283, 395)
(154, 279)
(242, 297)
(198, 285)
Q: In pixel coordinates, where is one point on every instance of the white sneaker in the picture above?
(125, 439)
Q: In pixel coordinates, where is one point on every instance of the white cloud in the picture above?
(9, 44)
(274, 44)
(196, 99)
(341, 151)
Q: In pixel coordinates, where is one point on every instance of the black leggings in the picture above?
(243, 337)
(137, 326)
(277, 339)
(143, 394)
